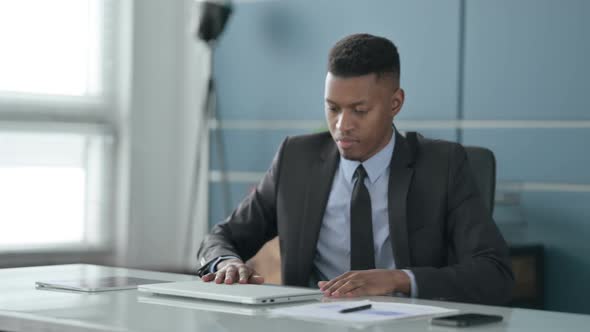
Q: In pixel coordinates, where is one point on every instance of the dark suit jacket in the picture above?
(440, 229)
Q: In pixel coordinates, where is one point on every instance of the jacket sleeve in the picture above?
(479, 268)
(250, 226)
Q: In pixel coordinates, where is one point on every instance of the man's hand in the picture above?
(233, 270)
(367, 283)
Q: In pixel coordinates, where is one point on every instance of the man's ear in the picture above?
(397, 101)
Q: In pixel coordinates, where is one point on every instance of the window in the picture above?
(51, 47)
(57, 58)
(51, 189)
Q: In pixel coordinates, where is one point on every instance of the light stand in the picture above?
(213, 17)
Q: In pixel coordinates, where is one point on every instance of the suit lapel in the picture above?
(316, 199)
(400, 176)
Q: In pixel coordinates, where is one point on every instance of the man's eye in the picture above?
(360, 111)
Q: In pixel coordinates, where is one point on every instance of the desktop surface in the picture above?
(25, 308)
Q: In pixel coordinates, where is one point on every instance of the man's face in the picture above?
(360, 111)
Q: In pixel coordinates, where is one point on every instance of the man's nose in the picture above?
(344, 122)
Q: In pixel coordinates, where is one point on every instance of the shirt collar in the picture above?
(375, 166)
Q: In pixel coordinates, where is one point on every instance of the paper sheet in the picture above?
(379, 312)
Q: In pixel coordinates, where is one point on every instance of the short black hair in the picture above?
(363, 54)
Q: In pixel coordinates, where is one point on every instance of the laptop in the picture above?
(236, 293)
(208, 305)
(93, 284)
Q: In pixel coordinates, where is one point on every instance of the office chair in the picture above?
(483, 166)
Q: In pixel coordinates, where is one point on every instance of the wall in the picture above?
(508, 75)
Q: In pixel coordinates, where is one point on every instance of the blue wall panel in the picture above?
(536, 155)
(271, 61)
(527, 59)
(248, 150)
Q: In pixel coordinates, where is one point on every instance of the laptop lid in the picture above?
(208, 305)
(237, 293)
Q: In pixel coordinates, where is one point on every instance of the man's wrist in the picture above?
(402, 283)
(212, 266)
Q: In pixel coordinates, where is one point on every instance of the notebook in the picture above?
(236, 293)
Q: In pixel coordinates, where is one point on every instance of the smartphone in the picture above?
(467, 319)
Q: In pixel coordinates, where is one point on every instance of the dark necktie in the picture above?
(362, 255)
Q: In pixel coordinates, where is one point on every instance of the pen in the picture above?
(354, 309)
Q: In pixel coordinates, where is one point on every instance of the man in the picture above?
(362, 210)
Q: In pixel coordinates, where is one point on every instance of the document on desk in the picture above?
(378, 311)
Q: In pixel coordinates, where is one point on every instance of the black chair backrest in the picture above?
(483, 165)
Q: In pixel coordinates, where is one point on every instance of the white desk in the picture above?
(25, 308)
